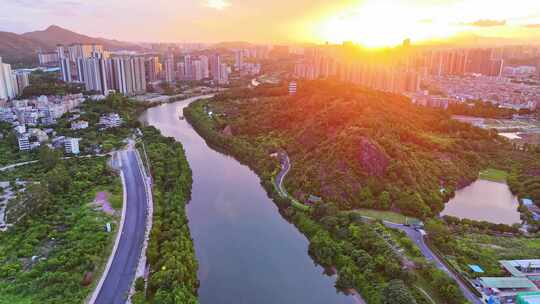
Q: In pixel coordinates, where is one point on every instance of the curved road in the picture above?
(285, 167)
(418, 238)
(121, 273)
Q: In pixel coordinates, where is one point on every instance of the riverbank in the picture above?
(242, 241)
(332, 235)
(170, 241)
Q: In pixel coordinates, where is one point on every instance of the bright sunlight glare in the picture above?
(379, 24)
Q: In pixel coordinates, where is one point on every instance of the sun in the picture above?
(381, 24)
(217, 4)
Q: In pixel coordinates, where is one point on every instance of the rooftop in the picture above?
(508, 283)
(512, 267)
(476, 268)
(528, 298)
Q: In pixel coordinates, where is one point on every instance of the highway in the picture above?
(121, 273)
(418, 239)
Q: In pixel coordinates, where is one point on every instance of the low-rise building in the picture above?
(293, 88)
(39, 134)
(72, 145)
(24, 143)
(506, 289)
(111, 120)
(79, 125)
(528, 298)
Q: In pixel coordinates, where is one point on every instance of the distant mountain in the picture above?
(18, 49)
(24, 48)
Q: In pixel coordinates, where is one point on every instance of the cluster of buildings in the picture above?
(480, 74)
(521, 71)
(128, 73)
(459, 74)
(458, 62)
(522, 286)
(100, 71)
(340, 62)
(43, 110)
(27, 115)
(48, 59)
(244, 67)
(33, 138)
(497, 90)
(195, 68)
(12, 83)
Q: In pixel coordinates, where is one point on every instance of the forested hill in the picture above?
(358, 147)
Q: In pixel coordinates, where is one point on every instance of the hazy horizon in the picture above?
(370, 22)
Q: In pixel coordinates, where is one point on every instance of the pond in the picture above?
(485, 201)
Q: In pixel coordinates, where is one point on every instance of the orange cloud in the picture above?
(487, 23)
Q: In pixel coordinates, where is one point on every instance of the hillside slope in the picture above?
(54, 35)
(15, 48)
(360, 148)
(24, 48)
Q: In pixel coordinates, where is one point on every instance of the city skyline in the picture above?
(371, 23)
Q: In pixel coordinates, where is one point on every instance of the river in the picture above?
(485, 200)
(247, 252)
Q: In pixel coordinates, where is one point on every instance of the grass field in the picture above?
(494, 175)
(385, 216)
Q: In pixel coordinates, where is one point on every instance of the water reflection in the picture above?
(247, 252)
(485, 201)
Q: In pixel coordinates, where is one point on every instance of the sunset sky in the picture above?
(370, 22)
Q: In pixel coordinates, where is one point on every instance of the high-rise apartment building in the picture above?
(84, 51)
(23, 80)
(95, 75)
(8, 83)
(224, 74)
(168, 68)
(238, 59)
(215, 67)
(128, 74)
(153, 68)
(205, 66)
(48, 59)
(196, 70)
(188, 66)
(73, 60)
(65, 69)
(60, 51)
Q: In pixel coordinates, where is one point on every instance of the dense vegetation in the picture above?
(173, 266)
(364, 260)
(484, 110)
(44, 83)
(58, 247)
(356, 147)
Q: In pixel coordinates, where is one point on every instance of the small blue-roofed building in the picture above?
(476, 268)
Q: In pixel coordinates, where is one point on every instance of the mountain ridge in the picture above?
(23, 48)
